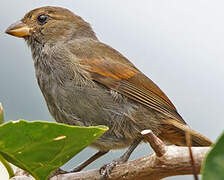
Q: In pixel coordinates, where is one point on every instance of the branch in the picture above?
(166, 161)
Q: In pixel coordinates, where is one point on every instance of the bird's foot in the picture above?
(106, 169)
(61, 171)
(57, 172)
(76, 169)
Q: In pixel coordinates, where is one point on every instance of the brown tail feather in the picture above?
(174, 132)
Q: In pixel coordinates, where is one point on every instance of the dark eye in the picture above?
(42, 19)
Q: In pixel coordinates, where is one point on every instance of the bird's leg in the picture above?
(106, 169)
(89, 161)
(81, 166)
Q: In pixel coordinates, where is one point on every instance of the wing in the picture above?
(110, 68)
(131, 83)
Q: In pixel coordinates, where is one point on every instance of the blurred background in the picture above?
(178, 44)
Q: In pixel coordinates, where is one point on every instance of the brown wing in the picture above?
(123, 77)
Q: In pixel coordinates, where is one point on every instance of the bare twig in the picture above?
(188, 142)
(157, 145)
(175, 161)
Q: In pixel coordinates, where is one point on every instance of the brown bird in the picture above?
(86, 82)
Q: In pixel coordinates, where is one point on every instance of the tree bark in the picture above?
(166, 161)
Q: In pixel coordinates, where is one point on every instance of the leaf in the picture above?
(213, 167)
(3, 161)
(7, 167)
(41, 147)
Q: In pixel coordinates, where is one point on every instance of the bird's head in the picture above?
(50, 25)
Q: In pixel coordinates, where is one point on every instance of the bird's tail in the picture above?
(175, 132)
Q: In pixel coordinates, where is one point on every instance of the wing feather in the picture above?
(130, 82)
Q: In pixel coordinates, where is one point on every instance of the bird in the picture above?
(85, 82)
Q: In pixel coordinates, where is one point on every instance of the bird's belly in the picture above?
(90, 106)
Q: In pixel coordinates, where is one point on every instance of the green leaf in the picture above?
(1, 114)
(213, 167)
(3, 161)
(7, 166)
(42, 147)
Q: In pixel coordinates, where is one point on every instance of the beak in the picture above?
(18, 29)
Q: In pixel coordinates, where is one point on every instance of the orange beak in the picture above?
(18, 29)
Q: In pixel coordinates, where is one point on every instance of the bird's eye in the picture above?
(42, 19)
